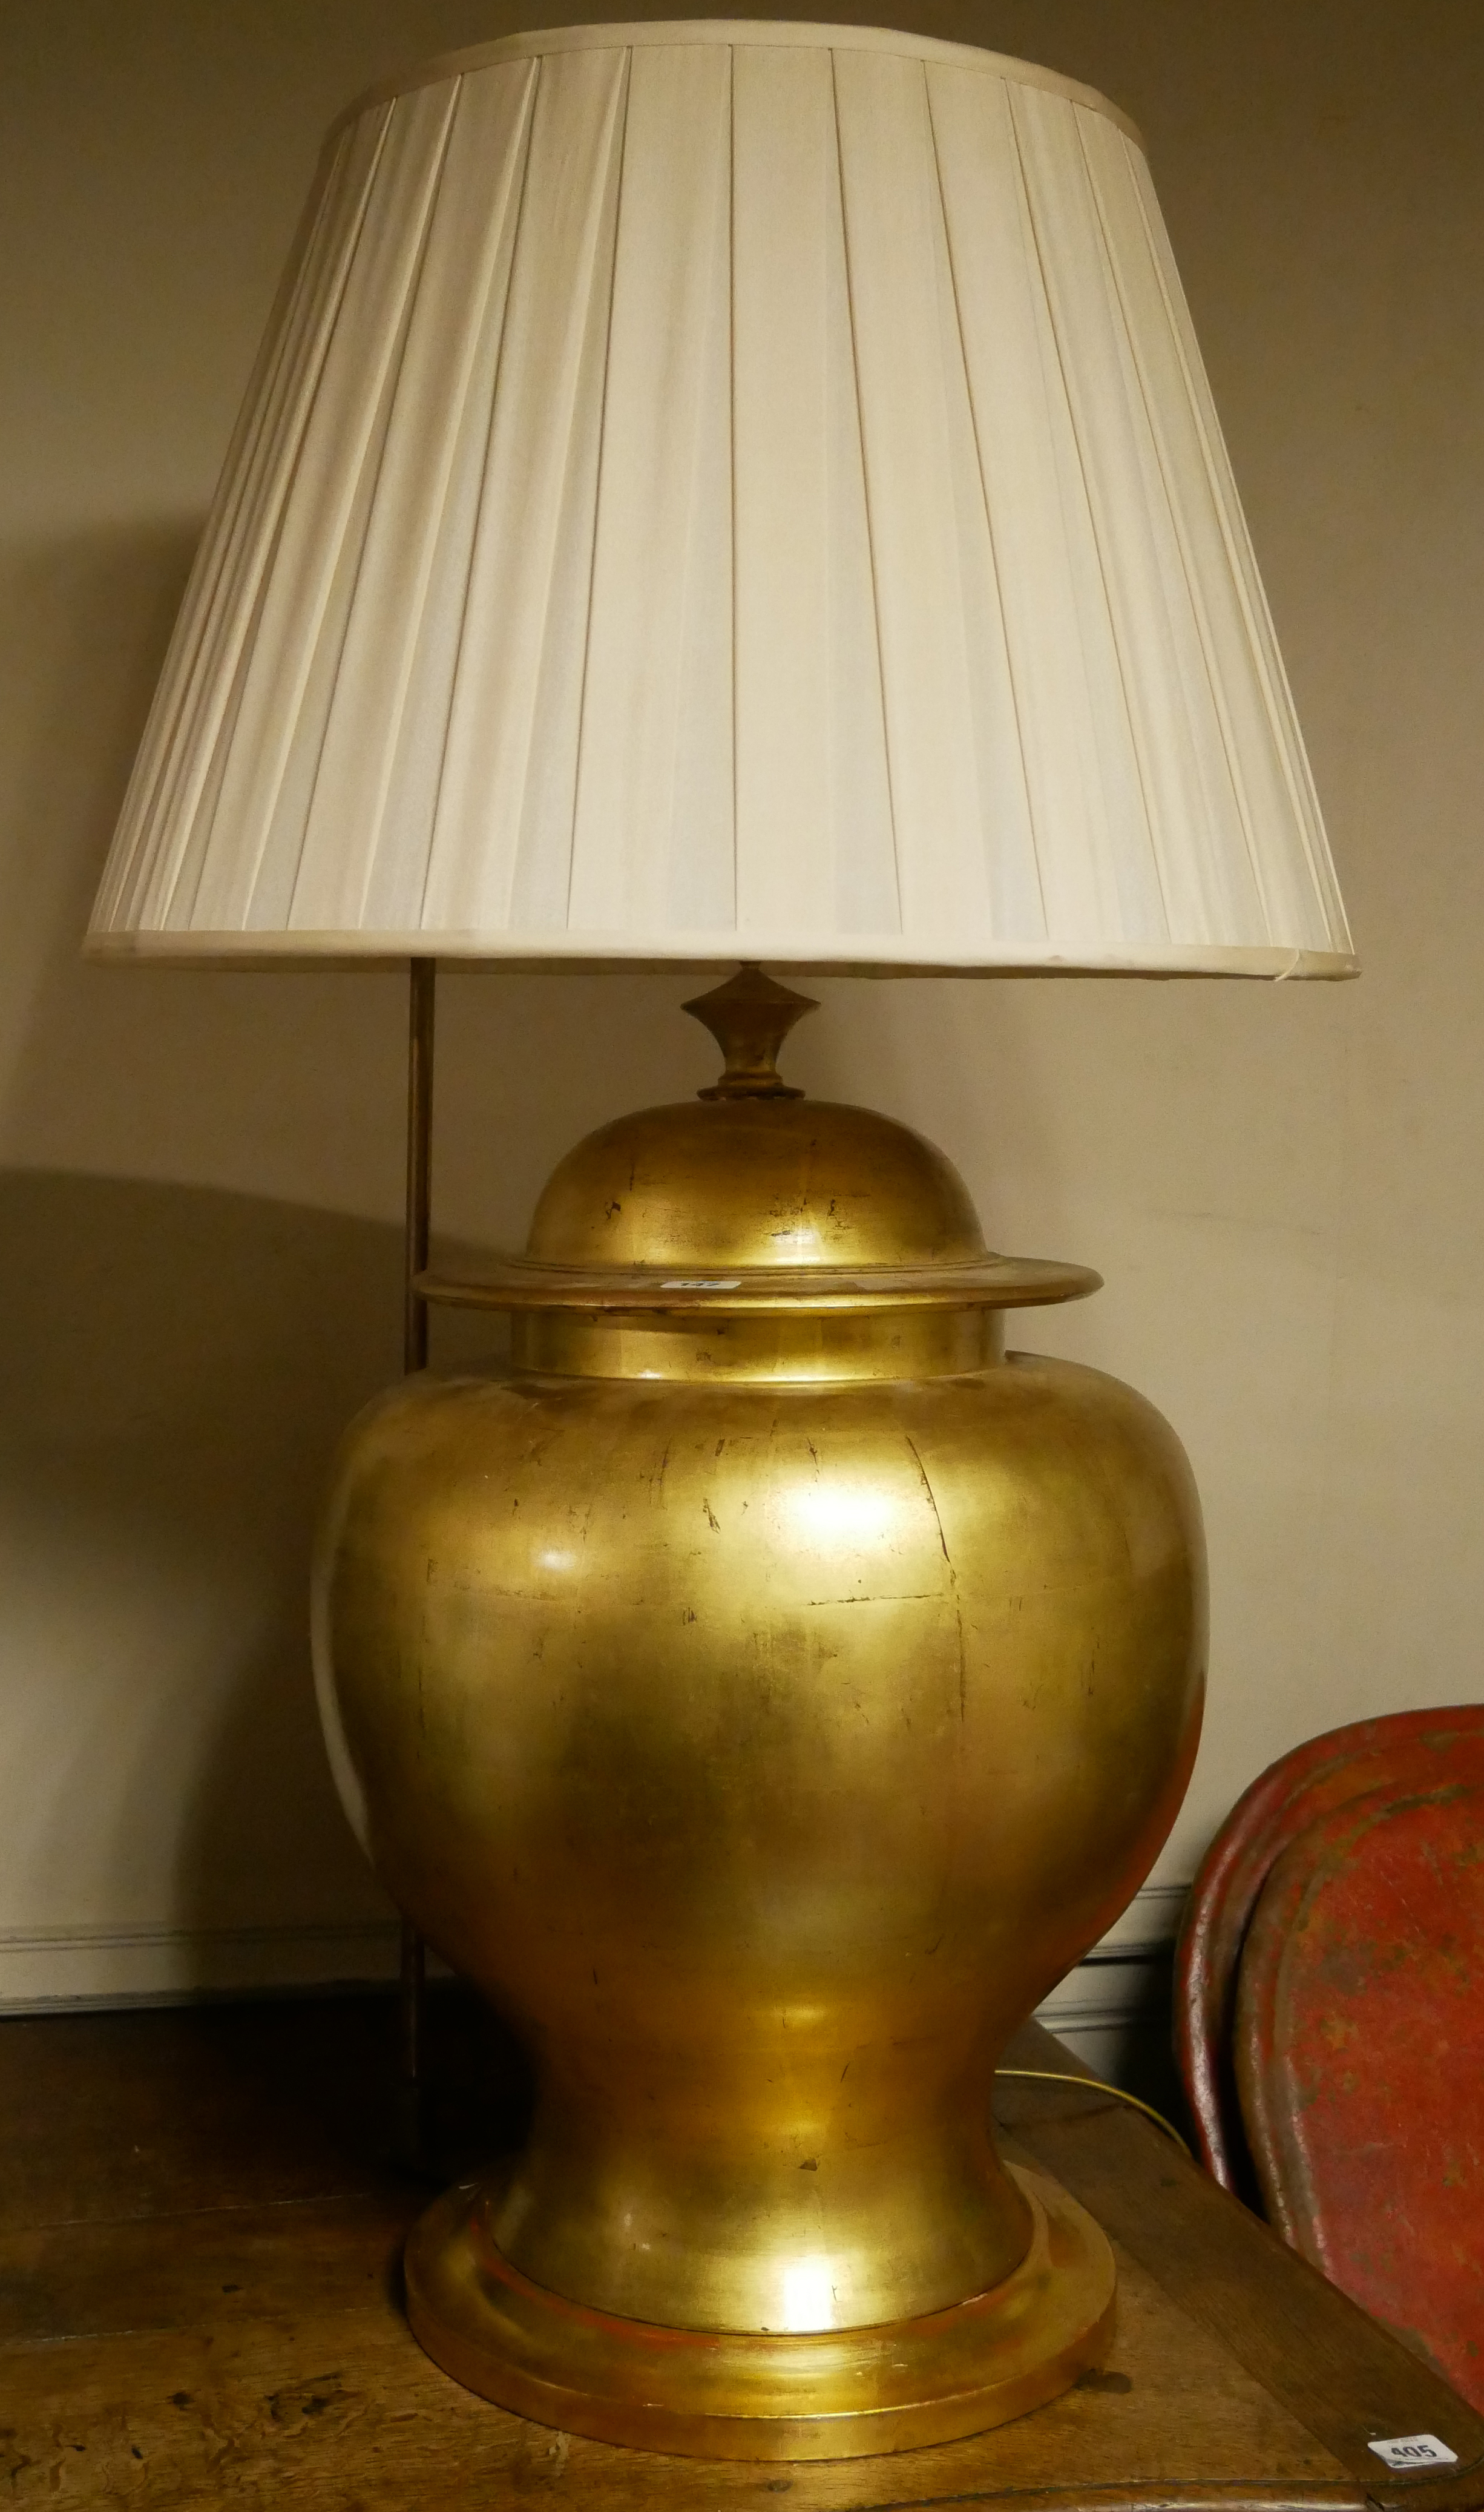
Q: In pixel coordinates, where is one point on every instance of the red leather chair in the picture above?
(1330, 2017)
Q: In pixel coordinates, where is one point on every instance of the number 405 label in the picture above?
(1415, 2450)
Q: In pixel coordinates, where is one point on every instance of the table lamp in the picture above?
(715, 495)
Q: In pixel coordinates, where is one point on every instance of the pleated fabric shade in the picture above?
(728, 491)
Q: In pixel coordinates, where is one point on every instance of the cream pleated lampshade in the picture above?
(728, 491)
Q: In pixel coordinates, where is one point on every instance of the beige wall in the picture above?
(1283, 1187)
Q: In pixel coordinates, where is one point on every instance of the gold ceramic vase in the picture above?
(764, 1692)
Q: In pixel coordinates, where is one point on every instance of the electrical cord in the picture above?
(1096, 2085)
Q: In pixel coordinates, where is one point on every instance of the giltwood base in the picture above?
(841, 2394)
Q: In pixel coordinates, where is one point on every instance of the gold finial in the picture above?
(749, 1015)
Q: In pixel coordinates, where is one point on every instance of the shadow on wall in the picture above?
(175, 1368)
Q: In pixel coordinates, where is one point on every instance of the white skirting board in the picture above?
(1113, 2011)
(44, 1968)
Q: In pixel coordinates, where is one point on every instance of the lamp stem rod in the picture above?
(422, 976)
(420, 1159)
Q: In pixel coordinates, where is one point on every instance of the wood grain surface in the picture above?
(199, 2305)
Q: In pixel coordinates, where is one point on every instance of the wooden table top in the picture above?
(199, 2238)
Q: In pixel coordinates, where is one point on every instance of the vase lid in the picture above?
(753, 1198)
(752, 1173)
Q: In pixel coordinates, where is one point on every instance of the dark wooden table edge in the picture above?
(1137, 2227)
(1150, 2197)
(1151, 2498)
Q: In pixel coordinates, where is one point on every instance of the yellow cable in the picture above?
(1096, 2085)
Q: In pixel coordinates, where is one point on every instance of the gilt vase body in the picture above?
(764, 1705)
